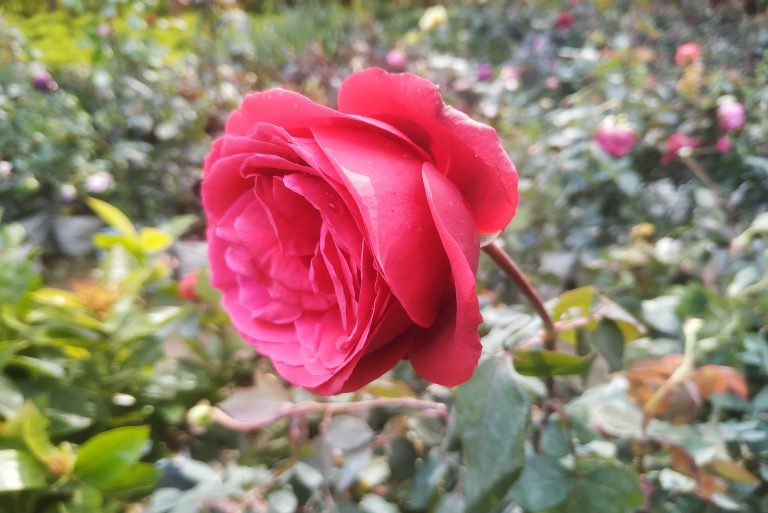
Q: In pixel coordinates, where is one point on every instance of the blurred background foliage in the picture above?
(640, 130)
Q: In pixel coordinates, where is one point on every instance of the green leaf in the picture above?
(492, 414)
(152, 240)
(85, 499)
(178, 225)
(602, 487)
(20, 471)
(113, 216)
(11, 397)
(106, 457)
(34, 432)
(577, 302)
(609, 340)
(426, 480)
(551, 363)
(139, 479)
(555, 438)
(544, 484)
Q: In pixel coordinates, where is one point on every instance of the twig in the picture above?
(306, 408)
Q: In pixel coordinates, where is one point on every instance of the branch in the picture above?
(306, 408)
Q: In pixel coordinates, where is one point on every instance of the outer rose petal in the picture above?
(447, 352)
(384, 179)
(469, 153)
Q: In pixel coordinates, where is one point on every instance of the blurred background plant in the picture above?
(640, 130)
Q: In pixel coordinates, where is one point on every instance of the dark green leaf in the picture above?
(609, 340)
(428, 475)
(550, 363)
(104, 458)
(492, 412)
(602, 487)
(20, 471)
(554, 439)
(544, 483)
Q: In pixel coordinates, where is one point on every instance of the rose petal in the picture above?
(447, 352)
(469, 153)
(384, 178)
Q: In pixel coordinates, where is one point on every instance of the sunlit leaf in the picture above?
(551, 363)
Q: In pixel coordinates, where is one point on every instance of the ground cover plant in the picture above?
(640, 134)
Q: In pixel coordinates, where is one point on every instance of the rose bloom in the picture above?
(485, 72)
(344, 241)
(687, 53)
(675, 143)
(732, 115)
(616, 140)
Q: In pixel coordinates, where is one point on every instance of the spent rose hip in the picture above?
(344, 241)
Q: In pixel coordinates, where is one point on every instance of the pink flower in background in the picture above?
(564, 21)
(723, 145)
(687, 53)
(617, 140)
(344, 241)
(188, 286)
(103, 30)
(732, 115)
(485, 72)
(675, 143)
(43, 81)
(397, 59)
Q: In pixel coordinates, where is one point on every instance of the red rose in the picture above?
(344, 241)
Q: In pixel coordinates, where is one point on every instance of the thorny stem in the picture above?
(291, 410)
(513, 271)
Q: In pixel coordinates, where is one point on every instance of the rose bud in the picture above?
(687, 53)
(564, 21)
(617, 140)
(731, 114)
(485, 72)
(188, 286)
(43, 81)
(723, 145)
(344, 241)
(397, 59)
(675, 143)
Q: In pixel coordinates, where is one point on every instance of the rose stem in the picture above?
(306, 408)
(513, 271)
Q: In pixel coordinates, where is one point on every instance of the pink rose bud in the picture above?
(675, 143)
(485, 72)
(397, 58)
(687, 53)
(732, 115)
(723, 145)
(43, 81)
(564, 21)
(188, 286)
(319, 220)
(616, 140)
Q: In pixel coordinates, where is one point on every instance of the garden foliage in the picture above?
(642, 219)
